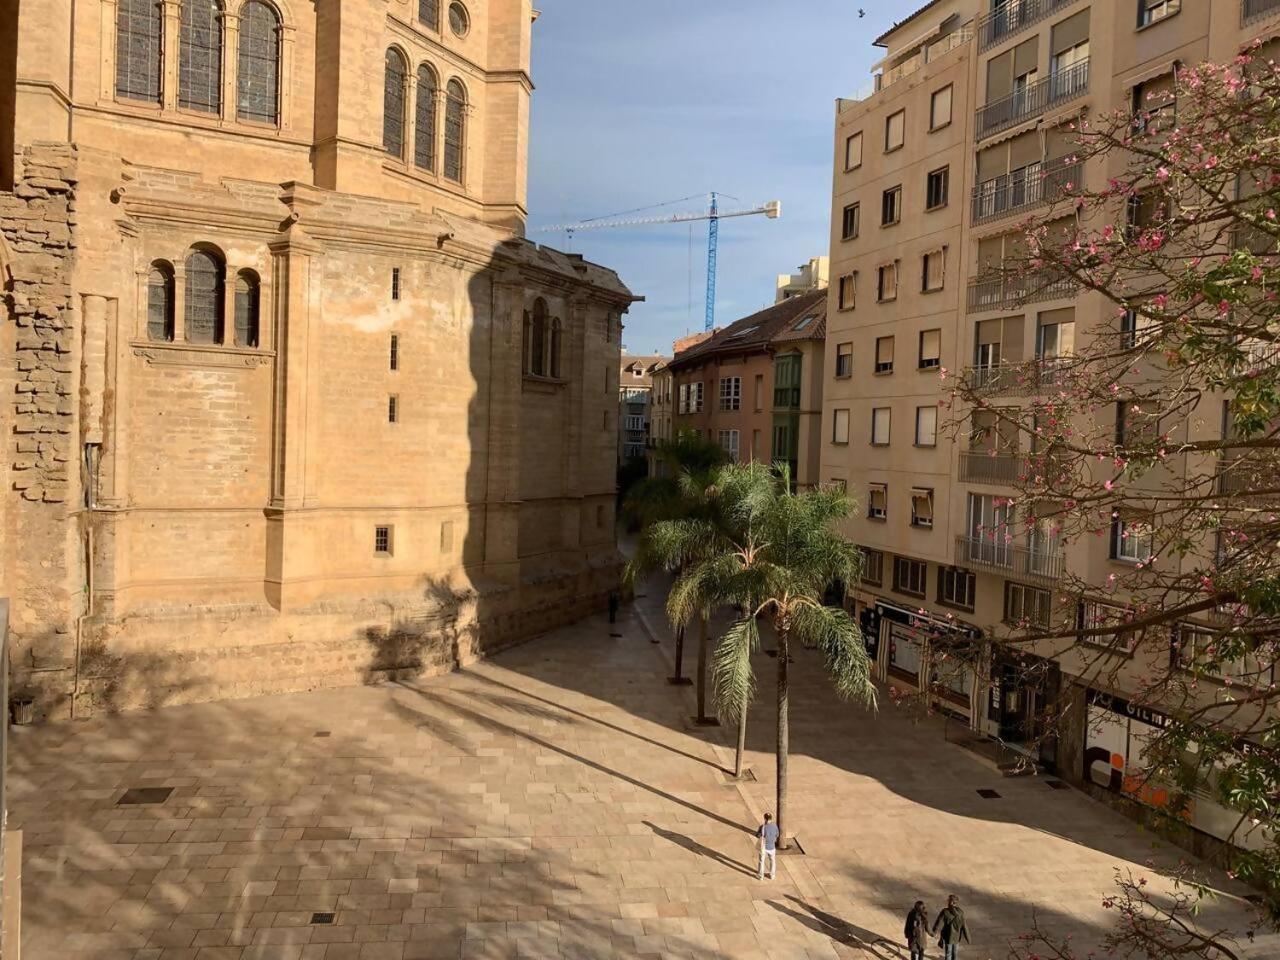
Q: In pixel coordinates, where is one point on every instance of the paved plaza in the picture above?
(553, 802)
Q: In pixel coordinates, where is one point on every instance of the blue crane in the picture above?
(713, 214)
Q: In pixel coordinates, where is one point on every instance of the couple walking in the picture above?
(951, 921)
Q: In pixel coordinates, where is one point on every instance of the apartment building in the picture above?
(964, 135)
(813, 275)
(755, 387)
(635, 403)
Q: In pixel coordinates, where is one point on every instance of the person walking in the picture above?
(768, 834)
(917, 930)
(951, 918)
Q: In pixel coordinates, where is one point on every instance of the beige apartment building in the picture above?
(294, 403)
(635, 403)
(963, 136)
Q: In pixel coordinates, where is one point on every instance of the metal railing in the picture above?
(1253, 9)
(1033, 99)
(1012, 17)
(1028, 187)
(1008, 558)
(1016, 378)
(981, 466)
(1005, 291)
(927, 54)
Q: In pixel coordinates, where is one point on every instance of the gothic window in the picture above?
(203, 310)
(538, 345)
(160, 302)
(258, 74)
(248, 304)
(555, 347)
(200, 56)
(429, 14)
(455, 129)
(393, 87)
(424, 147)
(139, 37)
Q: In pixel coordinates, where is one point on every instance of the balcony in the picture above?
(1033, 99)
(1017, 379)
(786, 398)
(982, 466)
(1013, 17)
(1009, 560)
(1251, 10)
(1023, 189)
(926, 54)
(1006, 291)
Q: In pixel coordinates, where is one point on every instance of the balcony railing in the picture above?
(1009, 559)
(1253, 9)
(1005, 291)
(1012, 17)
(1017, 379)
(1023, 189)
(927, 54)
(982, 466)
(1033, 99)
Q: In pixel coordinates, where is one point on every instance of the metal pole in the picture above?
(713, 241)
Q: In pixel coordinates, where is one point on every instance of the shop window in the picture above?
(906, 655)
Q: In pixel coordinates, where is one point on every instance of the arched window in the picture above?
(203, 312)
(455, 129)
(555, 347)
(258, 73)
(248, 304)
(526, 344)
(393, 85)
(429, 14)
(160, 302)
(424, 147)
(139, 39)
(538, 343)
(200, 55)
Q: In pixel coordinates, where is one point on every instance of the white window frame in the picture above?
(730, 393)
(1132, 541)
(922, 507)
(730, 442)
(880, 512)
(695, 397)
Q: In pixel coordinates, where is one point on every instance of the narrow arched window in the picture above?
(160, 302)
(555, 347)
(393, 85)
(424, 135)
(200, 56)
(258, 72)
(526, 344)
(203, 311)
(248, 304)
(429, 14)
(538, 343)
(455, 129)
(139, 39)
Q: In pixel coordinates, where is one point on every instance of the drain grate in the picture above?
(322, 918)
(322, 733)
(748, 776)
(145, 795)
(1055, 785)
(616, 636)
(986, 794)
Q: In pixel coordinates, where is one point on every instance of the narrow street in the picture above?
(556, 801)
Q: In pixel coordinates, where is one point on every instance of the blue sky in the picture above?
(643, 101)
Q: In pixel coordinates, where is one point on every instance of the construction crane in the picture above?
(713, 214)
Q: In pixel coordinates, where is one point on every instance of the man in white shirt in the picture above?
(768, 834)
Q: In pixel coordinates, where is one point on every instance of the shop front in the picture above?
(1021, 699)
(919, 653)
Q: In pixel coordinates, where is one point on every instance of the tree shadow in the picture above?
(693, 846)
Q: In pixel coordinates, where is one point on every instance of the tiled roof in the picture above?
(774, 323)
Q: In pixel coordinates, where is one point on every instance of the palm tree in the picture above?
(786, 555)
(685, 466)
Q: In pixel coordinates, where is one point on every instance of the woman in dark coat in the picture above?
(917, 930)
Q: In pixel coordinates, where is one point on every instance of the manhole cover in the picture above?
(989, 794)
(1055, 785)
(322, 918)
(322, 733)
(145, 795)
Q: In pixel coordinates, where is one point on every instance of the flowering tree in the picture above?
(1156, 432)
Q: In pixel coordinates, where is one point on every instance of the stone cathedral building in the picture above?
(289, 399)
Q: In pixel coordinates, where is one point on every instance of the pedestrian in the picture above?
(613, 606)
(917, 930)
(951, 917)
(768, 834)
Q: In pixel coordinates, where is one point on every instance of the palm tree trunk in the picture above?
(677, 677)
(704, 645)
(742, 744)
(783, 738)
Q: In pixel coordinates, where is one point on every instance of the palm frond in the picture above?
(837, 636)
(733, 682)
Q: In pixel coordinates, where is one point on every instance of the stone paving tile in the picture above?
(552, 803)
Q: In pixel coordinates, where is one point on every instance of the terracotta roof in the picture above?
(759, 329)
(644, 364)
(879, 41)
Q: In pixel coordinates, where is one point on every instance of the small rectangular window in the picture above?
(729, 441)
(695, 398)
(1025, 606)
(891, 206)
(446, 537)
(759, 392)
(936, 189)
(853, 151)
(880, 417)
(844, 360)
(1132, 541)
(884, 354)
(927, 426)
(887, 282)
(840, 427)
(872, 567)
(382, 541)
(877, 501)
(849, 229)
(930, 349)
(957, 588)
(393, 409)
(1152, 11)
(909, 576)
(730, 393)
(895, 126)
(395, 283)
(847, 291)
(921, 507)
(940, 108)
(395, 352)
(933, 270)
